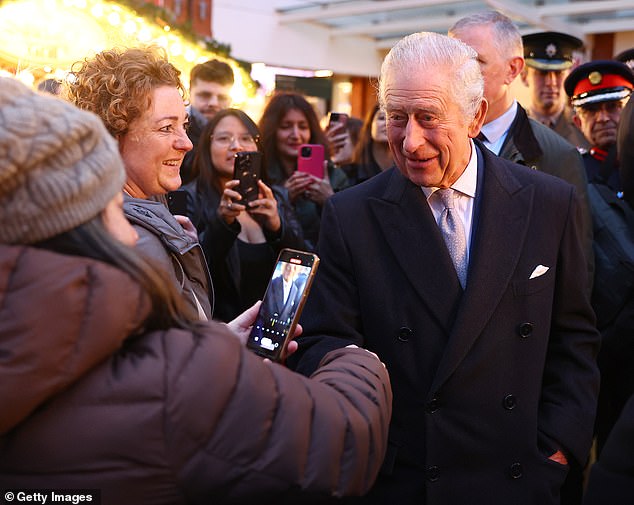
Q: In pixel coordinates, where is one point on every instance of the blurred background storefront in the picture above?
(330, 50)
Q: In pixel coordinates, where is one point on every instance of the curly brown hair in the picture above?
(117, 84)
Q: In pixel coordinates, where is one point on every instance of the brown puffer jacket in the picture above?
(168, 417)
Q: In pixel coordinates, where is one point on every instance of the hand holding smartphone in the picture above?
(246, 169)
(283, 303)
(310, 160)
(335, 118)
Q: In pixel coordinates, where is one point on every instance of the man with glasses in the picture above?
(598, 91)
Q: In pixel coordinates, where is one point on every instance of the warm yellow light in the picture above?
(129, 27)
(45, 37)
(323, 73)
(176, 49)
(26, 77)
(145, 35)
(114, 19)
(97, 10)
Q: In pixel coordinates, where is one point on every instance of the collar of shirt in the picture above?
(466, 183)
(497, 130)
(465, 188)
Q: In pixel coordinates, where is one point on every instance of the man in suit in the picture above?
(507, 129)
(479, 310)
(284, 294)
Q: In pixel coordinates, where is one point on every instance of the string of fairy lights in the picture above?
(43, 38)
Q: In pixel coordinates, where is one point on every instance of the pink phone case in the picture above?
(311, 159)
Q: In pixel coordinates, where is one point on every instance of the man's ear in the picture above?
(576, 120)
(524, 76)
(515, 68)
(478, 120)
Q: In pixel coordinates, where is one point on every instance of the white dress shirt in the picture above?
(464, 199)
(497, 130)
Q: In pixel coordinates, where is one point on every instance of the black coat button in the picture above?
(509, 402)
(516, 470)
(525, 329)
(433, 405)
(404, 333)
(433, 473)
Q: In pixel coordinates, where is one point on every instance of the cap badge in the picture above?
(551, 50)
(595, 78)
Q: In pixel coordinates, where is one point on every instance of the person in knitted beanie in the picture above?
(59, 167)
(108, 392)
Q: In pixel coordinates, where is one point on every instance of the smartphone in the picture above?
(311, 159)
(337, 117)
(282, 303)
(177, 202)
(246, 169)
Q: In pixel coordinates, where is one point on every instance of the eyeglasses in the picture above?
(226, 140)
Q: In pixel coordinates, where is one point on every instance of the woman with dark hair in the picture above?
(288, 121)
(106, 385)
(372, 153)
(240, 242)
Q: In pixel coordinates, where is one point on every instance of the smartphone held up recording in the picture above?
(311, 160)
(283, 303)
(336, 118)
(246, 169)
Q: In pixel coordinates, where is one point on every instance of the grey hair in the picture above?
(429, 51)
(506, 36)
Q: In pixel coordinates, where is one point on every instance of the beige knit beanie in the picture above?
(59, 166)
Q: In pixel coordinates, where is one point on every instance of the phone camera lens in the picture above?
(306, 151)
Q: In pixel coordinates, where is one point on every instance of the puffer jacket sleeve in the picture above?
(239, 430)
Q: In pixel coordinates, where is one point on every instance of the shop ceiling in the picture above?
(386, 21)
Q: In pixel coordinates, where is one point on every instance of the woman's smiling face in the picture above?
(155, 145)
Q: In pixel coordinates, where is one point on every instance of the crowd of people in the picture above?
(470, 331)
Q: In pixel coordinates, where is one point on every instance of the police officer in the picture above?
(549, 56)
(599, 90)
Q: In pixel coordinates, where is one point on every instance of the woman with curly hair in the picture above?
(105, 384)
(139, 96)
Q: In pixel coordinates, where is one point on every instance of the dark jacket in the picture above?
(92, 401)
(219, 243)
(163, 241)
(532, 144)
(308, 212)
(488, 382)
(611, 479)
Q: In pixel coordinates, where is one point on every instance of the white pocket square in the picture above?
(539, 271)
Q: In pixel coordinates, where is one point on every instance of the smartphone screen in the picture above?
(311, 159)
(282, 303)
(246, 169)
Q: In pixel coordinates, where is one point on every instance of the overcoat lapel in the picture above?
(502, 225)
(410, 231)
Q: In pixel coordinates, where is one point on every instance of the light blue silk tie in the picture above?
(453, 232)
